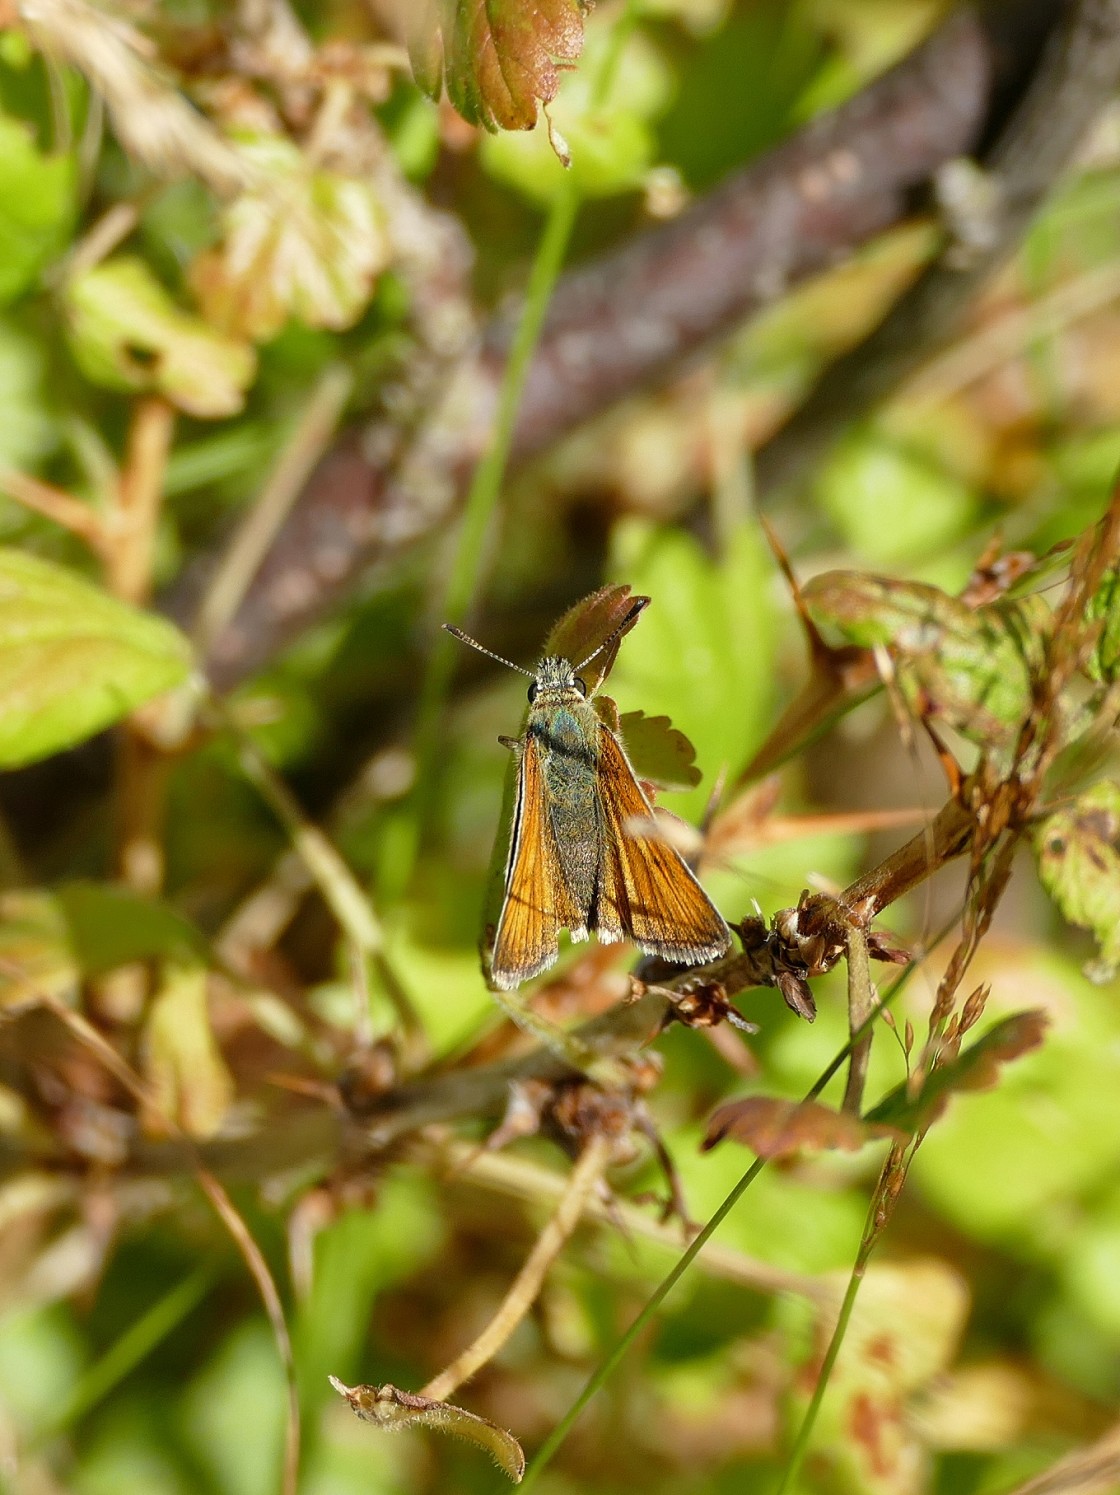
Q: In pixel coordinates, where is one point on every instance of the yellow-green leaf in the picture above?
(302, 242)
(127, 333)
(72, 658)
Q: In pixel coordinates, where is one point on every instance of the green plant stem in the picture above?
(808, 1422)
(603, 1370)
(134, 1346)
(466, 567)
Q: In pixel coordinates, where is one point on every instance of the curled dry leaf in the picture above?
(774, 1128)
(392, 1409)
(500, 59)
(300, 242)
(589, 623)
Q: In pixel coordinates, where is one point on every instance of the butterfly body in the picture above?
(576, 859)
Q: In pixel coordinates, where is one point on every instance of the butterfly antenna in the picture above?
(640, 605)
(465, 638)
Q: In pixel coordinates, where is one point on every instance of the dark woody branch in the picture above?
(629, 320)
(1078, 73)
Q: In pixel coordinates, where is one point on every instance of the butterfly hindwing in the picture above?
(646, 892)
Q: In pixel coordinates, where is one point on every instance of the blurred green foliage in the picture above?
(996, 1288)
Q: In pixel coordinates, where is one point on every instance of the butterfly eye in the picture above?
(580, 686)
(532, 692)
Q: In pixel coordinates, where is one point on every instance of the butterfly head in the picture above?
(556, 676)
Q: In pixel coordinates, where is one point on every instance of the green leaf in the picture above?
(61, 937)
(972, 668)
(1078, 851)
(109, 926)
(73, 659)
(302, 243)
(183, 1063)
(127, 333)
(1104, 662)
(36, 206)
(976, 1068)
(500, 59)
(659, 752)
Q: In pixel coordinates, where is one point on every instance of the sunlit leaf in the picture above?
(127, 333)
(1104, 609)
(36, 206)
(659, 752)
(1078, 851)
(500, 59)
(391, 1408)
(303, 242)
(72, 658)
(774, 1128)
(588, 624)
(974, 1068)
(969, 667)
(184, 1067)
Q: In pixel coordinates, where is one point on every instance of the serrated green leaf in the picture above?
(127, 333)
(970, 667)
(73, 659)
(36, 206)
(1078, 851)
(659, 752)
(500, 59)
(303, 242)
(1104, 608)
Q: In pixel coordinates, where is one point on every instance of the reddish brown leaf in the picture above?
(500, 59)
(774, 1128)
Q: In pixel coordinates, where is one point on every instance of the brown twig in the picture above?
(627, 321)
(1077, 76)
(525, 1288)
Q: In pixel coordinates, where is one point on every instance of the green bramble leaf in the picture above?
(972, 668)
(37, 206)
(1103, 663)
(301, 242)
(500, 59)
(1078, 851)
(73, 659)
(127, 333)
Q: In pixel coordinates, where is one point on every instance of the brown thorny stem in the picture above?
(995, 837)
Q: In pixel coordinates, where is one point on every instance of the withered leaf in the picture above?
(391, 1408)
(500, 59)
(589, 623)
(774, 1128)
(1078, 851)
(976, 1068)
(300, 242)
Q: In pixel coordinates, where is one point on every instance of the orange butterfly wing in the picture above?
(646, 892)
(537, 903)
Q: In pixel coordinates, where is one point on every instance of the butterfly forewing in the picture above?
(646, 892)
(537, 903)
